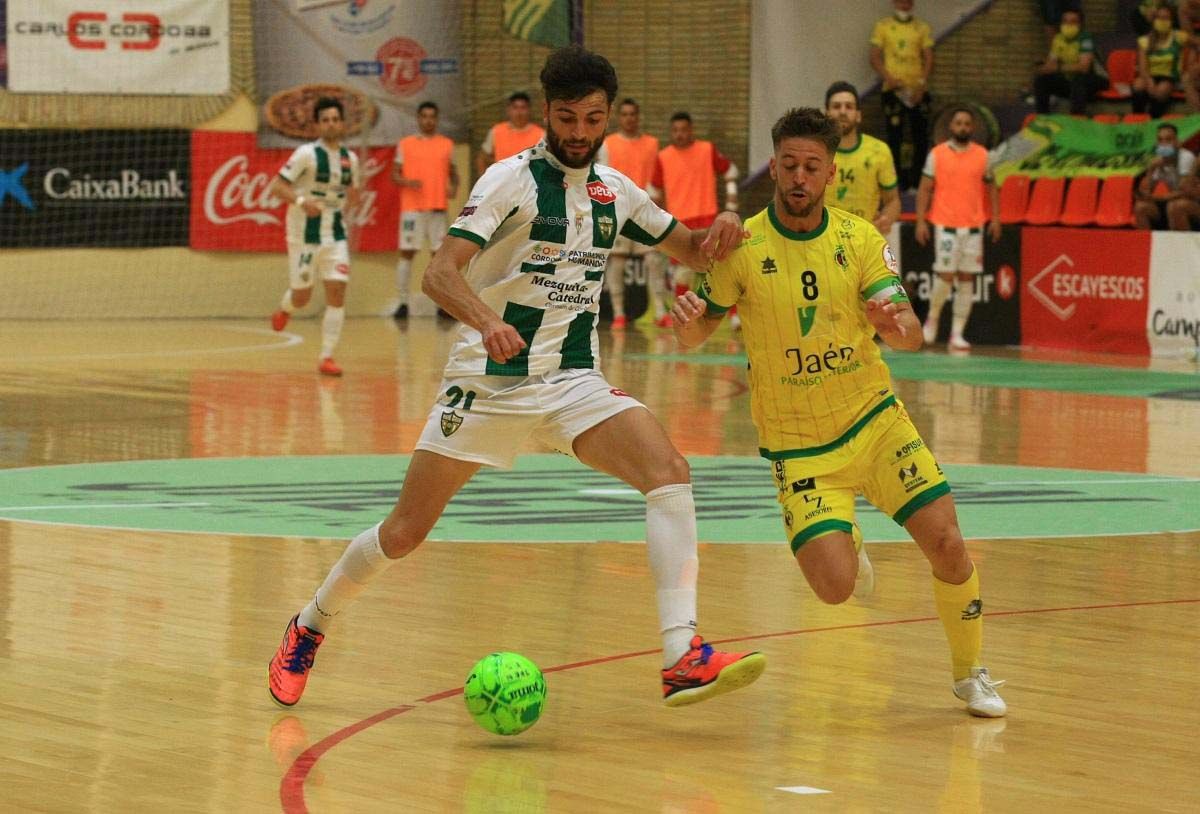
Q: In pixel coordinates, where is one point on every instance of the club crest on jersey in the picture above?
(451, 421)
(839, 255)
(608, 227)
(600, 193)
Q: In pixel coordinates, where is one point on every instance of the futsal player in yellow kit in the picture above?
(813, 285)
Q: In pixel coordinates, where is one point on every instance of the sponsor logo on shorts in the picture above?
(342, 268)
(909, 448)
(911, 478)
(787, 521)
(815, 506)
(804, 485)
(973, 610)
(616, 391)
(451, 421)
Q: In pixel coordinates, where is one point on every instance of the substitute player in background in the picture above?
(535, 235)
(687, 172)
(424, 171)
(632, 153)
(814, 285)
(955, 180)
(320, 181)
(866, 175)
(509, 137)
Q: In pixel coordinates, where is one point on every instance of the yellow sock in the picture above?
(961, 613)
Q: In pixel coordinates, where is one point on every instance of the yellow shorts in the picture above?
(887, 462)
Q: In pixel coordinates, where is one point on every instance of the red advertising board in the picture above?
(233, 211)
(1085, 289)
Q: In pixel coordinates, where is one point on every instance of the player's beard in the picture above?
(555, 145)
(801, 211)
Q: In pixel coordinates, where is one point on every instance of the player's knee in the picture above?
(677, 470)
(832, 589)
(301, 296)
(946, 550)
(397, 538)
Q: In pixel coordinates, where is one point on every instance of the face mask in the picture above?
(1162, 26)
(1069, 30)
(904, 16)
(1164, 151)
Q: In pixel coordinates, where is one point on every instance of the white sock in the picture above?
(937, 298)
(403, 272)
(964, 292)
(331, 329)
(671, 543)
(361, 562)
(286, 304)
(614, 278)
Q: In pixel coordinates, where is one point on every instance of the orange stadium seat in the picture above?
(1135, 118)
(1115, 207)
(1014, 197)
(1107, 118)
(1122, 66)
(1080, 206)
(1045, 202)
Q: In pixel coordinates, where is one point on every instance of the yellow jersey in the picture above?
(816, 375)
(862, 171)
(902, 44)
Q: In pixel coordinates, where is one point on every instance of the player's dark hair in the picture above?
(682, 116)
(1169, 126)
(324, 103)
(1072, 9)
(840, 87)
(427, 105)
(574, 72)
(807, 122)
(629, 100)
(519, 96)
(954, 111)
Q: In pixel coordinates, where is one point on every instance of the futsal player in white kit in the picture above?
(320, 181)
(534, 237)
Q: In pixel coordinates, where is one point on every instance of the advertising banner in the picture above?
(1173, 315)
(164, 47)
(1085, 289)
(1064, 147)
(996, 314)
(383, 57)
(93, 188)
(232, 209)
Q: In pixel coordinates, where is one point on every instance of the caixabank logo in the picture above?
(94, 188)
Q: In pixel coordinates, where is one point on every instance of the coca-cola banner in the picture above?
(93, 188)
(233, 210)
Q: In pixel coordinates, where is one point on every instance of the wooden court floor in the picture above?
(133, 663)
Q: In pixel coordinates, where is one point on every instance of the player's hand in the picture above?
(311, 209)
(885, 317)
(688, 308)
(724, 236)
(883, 223)
(995, 229)
(414, 183)
(501, 341)
(922, 233)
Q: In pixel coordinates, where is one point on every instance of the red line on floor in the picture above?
(291, 788)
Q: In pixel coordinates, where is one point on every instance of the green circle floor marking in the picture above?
(551, 498)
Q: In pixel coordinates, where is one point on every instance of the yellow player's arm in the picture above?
(691, 320)
(895, 322)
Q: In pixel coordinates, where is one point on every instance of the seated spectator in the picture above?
(1189, 22)
(1070, 70)
(1168, 194)
(1052, 12)
(1141, 17)
(1160, 64)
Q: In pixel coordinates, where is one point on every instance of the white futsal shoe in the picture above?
(979, 691)
(864, 582)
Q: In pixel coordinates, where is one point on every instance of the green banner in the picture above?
(1063, 147)
(546, 22)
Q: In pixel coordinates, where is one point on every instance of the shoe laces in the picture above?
(706, 652)
(300, 659)
(986, 684)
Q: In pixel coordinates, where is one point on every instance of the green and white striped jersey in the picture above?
(322, 176)
(546, 231)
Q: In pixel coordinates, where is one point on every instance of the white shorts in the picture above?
(958, 249)
(630, 248)
(309, 261)
(418, 229)
(487, 419)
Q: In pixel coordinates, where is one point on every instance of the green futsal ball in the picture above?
(505, 693)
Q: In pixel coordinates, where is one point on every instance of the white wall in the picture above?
(801, 47)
